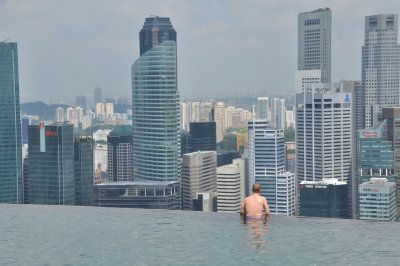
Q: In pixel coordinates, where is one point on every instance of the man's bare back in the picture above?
(255, 205)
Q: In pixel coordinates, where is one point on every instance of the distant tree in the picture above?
(290, 134)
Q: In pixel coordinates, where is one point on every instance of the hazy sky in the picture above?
(231, 47)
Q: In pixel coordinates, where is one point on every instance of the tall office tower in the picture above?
(357, 118)
(97, 96)
(203, 136)
(323, 133)
(81, 101)
(185, 116)
(229, 111)
(267, 167)
(378, 200)
(231, 186)
(199, 174)
(326, 198)
(120, 155)
(392, 116)
(83, 170)
(51, 164)
(289, 119)
(24, 129)
(375, 154)
(10, 126)
(314, 42)
(155, 104)
(70, 115)
(101, 156)
(219, 119)
(60, 115)
(262, 108)
(278, 113)
(380, 68)
(186, 143)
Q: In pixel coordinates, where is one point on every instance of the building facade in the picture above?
(326, 198)
(144, 195)
(267, 167)
(83, 170)
(51, 164)
(314, 42)
(323, 133)
(120, 154)
(156, 104)
(231, 186)
(11, 187)
(378, 200)
(380, 67)
(199, 174)
(278, 113)
(262, 108)
(203, 136)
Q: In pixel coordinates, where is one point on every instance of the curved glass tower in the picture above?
(156, 110)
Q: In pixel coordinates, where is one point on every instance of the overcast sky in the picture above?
(231, 47)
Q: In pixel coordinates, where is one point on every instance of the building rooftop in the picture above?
(327, 181)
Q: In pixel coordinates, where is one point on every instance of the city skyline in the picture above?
(209, 44)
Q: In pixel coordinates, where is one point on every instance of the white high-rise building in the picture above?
(278, 113)
(60, 115)
(219, 118)
(199, 174)
(314, 42)
(109, 108)
(79, 114)
(70, 115)
(267, 167)
(262, 108)
(323, 133)
(377, 200)
(231, 186)
(100, 109)
(380, 66)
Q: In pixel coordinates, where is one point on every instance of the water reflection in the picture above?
(257, 231)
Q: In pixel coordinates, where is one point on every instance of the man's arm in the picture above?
(266, 208)
(243, 208)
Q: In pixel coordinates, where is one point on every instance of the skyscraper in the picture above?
(267, 166)
(323, 133)
(51, 164)
(83, 170)
(262, 108)
(203, 136)
(199, 174)
(11, 188)
(81, 101)
(231, 186)
(380, 68)
(219, 119)
(120, 162)
(278, 113)
(156, 104)
(314, 42)
(60, 115)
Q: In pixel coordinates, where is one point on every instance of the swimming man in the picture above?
(255, 206)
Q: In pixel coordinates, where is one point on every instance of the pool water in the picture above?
(69, 235)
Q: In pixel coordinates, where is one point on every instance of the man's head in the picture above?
(256, 188)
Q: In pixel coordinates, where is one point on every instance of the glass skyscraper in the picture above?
(11, 190)
(51, 164)
(155, 104)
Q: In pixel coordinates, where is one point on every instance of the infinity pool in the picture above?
(61, 235)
